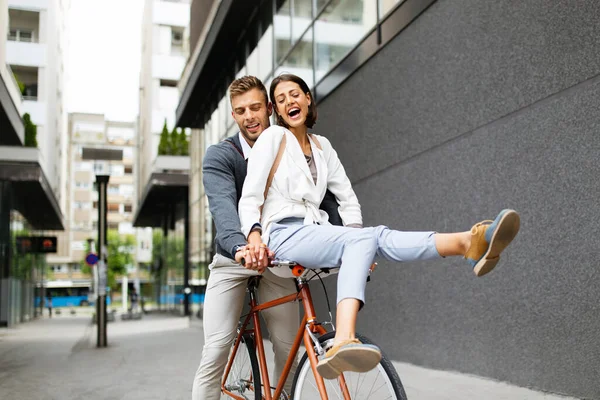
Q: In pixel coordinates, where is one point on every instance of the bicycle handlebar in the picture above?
(277, 263)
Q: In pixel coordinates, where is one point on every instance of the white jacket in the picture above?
(293, 192)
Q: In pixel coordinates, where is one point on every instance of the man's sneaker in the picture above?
(489, 238)
(349, 355)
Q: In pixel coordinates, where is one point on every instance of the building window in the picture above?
(117, 170)
(82, 185)
(283, 31)
(21, 35)
(126, 190)
(176, 40)
(339, 28)
(128, 169)
(99, 168)
(128, 208)
(168, 83)
(82, 205)
(28, 78)
(83, 166)
(113, 207)
(127, 153)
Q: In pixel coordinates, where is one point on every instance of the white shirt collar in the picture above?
(245, 146)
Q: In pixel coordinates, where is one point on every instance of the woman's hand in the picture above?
(256, 254)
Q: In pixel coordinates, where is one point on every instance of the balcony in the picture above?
(172, 164)
(123, 179)
(31, 4)
(167, 67)
(33, 197)
(172, 13)
(36, 110)
(26, 78)
(26, 54)
(23, 45)
(82, 195)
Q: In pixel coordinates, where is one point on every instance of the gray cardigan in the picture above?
(223, 173)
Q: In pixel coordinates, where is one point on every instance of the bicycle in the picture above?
(246, 376)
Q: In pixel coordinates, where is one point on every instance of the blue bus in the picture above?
(69, 296)
(195, 298)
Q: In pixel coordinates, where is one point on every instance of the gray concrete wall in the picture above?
(475, 107)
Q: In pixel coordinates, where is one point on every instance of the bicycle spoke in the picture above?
(381, 383)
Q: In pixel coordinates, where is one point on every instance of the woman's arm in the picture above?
(260, 162)
(339, 184)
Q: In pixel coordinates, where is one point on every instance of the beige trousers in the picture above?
(223, 302)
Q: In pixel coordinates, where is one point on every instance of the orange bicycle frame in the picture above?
(309, 318)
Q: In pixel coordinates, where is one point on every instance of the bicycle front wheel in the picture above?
(244, 377)
(380, 383)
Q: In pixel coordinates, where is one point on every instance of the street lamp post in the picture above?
(102, 182)
(91, 153)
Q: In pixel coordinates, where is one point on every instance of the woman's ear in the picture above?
(309, 99)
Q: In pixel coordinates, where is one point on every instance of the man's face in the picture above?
(251, 111)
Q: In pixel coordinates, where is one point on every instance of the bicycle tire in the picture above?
(390, 377)
(238, 380)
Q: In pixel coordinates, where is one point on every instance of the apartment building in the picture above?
(31, 178)
(442, 112)
(164, 53)
(163, 179)
(94, 131)
(35, 53)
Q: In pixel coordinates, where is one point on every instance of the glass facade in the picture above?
(28, 277)
(167, 269)
(308, 38)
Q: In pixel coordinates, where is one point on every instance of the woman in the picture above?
(294, 228)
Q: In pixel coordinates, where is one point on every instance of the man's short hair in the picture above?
(245, 84)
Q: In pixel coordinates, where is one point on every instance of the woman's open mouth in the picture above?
(294, 113)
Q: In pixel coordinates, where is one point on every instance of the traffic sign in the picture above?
(91, 259)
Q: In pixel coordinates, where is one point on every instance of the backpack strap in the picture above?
(235, 146)
(314, 138)
(274, 168)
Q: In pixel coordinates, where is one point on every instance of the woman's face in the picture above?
(291, 103)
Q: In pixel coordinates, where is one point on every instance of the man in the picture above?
(134, 301)
(224, 171)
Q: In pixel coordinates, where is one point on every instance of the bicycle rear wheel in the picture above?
(380, 383)
(244, 376)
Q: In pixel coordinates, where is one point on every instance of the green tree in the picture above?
(30, 131)
(85, 268)
(120, 255)
(157, 238)
(163, 145)
(174, 142)
(184, 145)
(20, 84)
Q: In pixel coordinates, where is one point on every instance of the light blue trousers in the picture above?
(352, 249)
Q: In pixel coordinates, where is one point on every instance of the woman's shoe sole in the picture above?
(355, 359)
(507, 229)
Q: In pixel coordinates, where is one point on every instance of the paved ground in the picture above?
(156, 357)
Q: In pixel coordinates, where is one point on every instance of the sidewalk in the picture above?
(156, 358)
